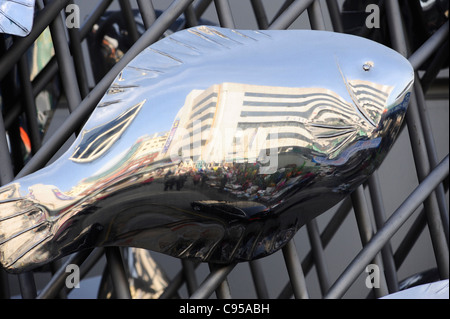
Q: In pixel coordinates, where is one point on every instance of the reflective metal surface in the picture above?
(16, 16)
(214, 144)
(434, 290)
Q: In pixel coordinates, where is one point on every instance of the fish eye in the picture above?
(367, 66)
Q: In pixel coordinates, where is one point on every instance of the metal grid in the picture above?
(369, 211)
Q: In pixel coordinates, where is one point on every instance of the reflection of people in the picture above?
(196, 178)
(204, 178)
(169, 180)
(181, 179)
(223, 181)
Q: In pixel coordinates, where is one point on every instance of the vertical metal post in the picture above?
(326, 236)
(366, 232)
(147, 12)
(260, 14)
(117, 272)
(5, 177)
(65, 62)
(78, 58)
(380, 218)
(224, 13)
(29, 104)
(9, 92)
(318, 255)
(315, 16)
(410, 239)
(41, 21)
(191, 17)
(415, 130)
(56, 283)
(295, 271)
(189, 275)
(258, 279)
(335, 15)
(26, 280)
(130, 23)
(432, 154)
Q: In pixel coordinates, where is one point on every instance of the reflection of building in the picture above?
(139, 156)
(234, 122)
(154, 143)
(372, 96)
(50, 196)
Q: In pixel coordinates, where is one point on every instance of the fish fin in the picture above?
(24, 227)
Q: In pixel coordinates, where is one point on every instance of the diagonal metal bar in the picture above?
(379, 240)
(176, 283)
(418, 141)
(212, 282)
(424, 52)
(432, 152)
(26, 280)
(42, 20)
(410, 239)
(58, 280)
(191, 17)
(93, 17)
(283, 8)
(223, 288)
(290, 14)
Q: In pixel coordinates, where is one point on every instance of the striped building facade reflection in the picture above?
(237, 122)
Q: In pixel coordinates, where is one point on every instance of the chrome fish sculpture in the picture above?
(214, 144)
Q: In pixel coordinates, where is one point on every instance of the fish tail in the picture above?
(24, 227)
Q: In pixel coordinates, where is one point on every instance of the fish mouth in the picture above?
(371, 99)
(351, 91)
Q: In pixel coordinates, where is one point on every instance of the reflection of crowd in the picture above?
(242, 180)
(171, 180)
